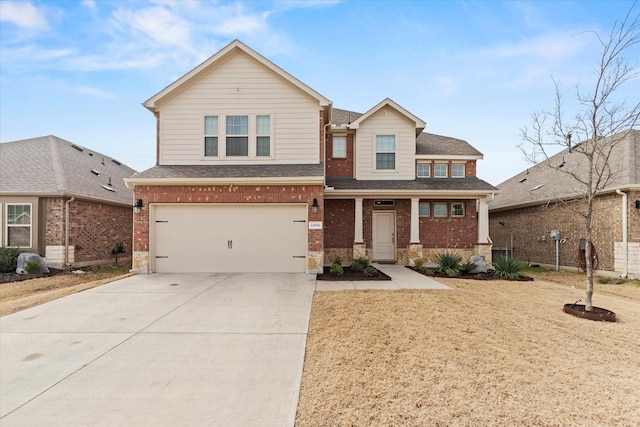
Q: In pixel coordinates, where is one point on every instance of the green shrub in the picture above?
(32, 266)
(467, 267)
(449, 263)
(9, 259)
(508, 267)
(336, 267)
(359, 265)
(370, 271)
(419, 264)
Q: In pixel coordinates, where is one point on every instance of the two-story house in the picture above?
(257, 172)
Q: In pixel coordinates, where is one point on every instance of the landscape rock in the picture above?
(24, 257)
(480, 262)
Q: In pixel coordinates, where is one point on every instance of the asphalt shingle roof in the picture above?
(50, 165)
(545, 181)
(231, 171)
(469, 183)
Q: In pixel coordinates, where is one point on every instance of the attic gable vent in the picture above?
(77, 148)
(95, 172)
(116, 162)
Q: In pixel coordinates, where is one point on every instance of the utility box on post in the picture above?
(555, 235)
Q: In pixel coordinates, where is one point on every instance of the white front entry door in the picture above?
(384, 236)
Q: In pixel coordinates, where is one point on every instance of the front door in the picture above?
(384, 236)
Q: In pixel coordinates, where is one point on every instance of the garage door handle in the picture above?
(229, 244)
(299, 256)
(161, 256)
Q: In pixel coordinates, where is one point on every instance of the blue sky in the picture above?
(472, 70)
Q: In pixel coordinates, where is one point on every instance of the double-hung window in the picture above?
(424, 170)
(339, 147)
(237, 139)
(385, 152)
(263, 136)
(457, 170)
(457, 209)
(440, 209)
(440, 170)
(424, 209)
(19, 225)
(211, 136)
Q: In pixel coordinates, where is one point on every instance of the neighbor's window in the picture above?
(19, 225)
(457, 209)
(424, 170)
(210, 135)
(439, 209)
(440, 170)
(263, 136)
(424, 209)
(339, 147)
(385, 152)
(237, 135)
(457, 170)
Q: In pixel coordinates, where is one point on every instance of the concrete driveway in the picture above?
(215, 350)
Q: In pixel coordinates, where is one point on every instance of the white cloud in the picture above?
(545, 47)
(157, 23)
(23, 14)
(243, 24)
(94, 92)
(90, 4)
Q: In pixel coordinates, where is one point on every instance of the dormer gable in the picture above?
(387, 102)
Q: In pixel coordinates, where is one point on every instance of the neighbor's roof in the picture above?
(427, 144)
(51, 166)
(548, 181)
(231, 49)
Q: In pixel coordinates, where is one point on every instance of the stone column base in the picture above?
(315, 262)
(359, 250)
(483, 249)
(140, 262)
(54, 256)
(414, 252)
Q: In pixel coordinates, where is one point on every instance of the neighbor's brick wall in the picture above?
(53, 221)
(528, 225)
(340, 167)
(226, 194)
(447, 232)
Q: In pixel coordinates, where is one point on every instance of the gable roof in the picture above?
(231, 49)
(387, 102)
(51, 166)
(545, 182)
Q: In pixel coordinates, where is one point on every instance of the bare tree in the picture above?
(603, 118)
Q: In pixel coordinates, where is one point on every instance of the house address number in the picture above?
(315, 225)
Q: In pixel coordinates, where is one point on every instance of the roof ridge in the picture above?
(56, 163)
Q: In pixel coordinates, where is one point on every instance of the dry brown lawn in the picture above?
(487, 353)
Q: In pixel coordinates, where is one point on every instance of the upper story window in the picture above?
(263, 136)
(424, 170)
(210, 135)
(457, 170)
(19, 225)
(385, 152)
(237, 135)
(440, 170)
(339, 150)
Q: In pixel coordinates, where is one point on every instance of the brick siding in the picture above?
(340, 167)
(448, 232)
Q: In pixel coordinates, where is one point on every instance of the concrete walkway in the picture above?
(401, 278)
(160, 350)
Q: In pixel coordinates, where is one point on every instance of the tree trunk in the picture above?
(588, 304)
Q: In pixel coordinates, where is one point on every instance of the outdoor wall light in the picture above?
(314, 206)
(138, 206)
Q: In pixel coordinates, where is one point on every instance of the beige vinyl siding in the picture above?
(240, 86)
(387, 121)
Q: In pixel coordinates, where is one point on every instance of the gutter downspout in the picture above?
(66, 231)
(324, 145)
(625, 230)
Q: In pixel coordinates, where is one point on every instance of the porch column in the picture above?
(415, 221)
(483, 221)
(357, 238)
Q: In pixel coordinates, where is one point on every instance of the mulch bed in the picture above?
(15, 277)
(351, 276)
(476, 276)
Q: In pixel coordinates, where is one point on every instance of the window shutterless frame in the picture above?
(19, 225)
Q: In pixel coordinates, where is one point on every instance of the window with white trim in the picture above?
(339, 150)
(440, 170)
(263, 136)
(19, 225)
(424, 209)
(211, 136)
(440, 209)
(457, 209)
(237, 140)
(424, 170)
(457, 170)
(385, 152)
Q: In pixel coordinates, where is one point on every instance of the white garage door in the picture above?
(249, 238)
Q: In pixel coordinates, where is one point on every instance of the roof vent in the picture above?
(108, 188)
(523, 180)
(77, 148)
(536, 187)
(95, 172)
(116, 162)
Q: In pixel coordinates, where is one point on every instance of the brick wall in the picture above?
(94, 229)
(340, 167)
(530, 229)
(339, 223)
(226, 194)
(450, 233)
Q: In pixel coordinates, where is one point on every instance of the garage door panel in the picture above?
(230, 238)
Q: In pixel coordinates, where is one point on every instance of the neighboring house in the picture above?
(542, 198)
(257, 172)
(55, 194)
